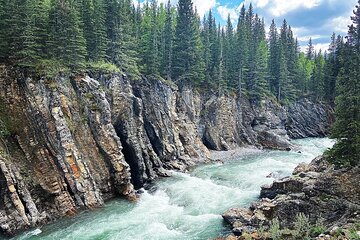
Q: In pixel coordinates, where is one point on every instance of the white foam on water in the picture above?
(27, 235)
(186, 206)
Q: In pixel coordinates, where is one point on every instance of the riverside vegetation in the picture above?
(100, 97)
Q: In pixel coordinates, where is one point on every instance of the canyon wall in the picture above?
(76, 141)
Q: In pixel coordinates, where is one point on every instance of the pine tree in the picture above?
(93, 21)
(229, 56)
(66, 41)
(168, 42)
(261, 87)
(274, 59)
(221, 69)
(187, 64)
(293, 64)
(310, 50)
(4, 29)
(205, 38)
(317, 78)
(26, 49)
(346, 129)
(41, 28)
(198, 68)
(213, 48)
(331, 68)
(243, 50)
(121, 48)
(149, 40)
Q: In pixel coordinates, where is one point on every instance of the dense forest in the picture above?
(168, 42)
(174, 43)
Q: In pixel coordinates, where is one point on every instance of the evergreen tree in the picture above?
(274, 59)
(261, 86)
(205, 38)
(168, 42)
(346, 129)
(331, 68)
(221, 70)
(4, 29)
(243, 50)
(310, 50)
(121, 49)
(317, 78)
(149, 40)
(26, 53)
(198, 68)
(66, 41)
(93, 18)
(187, 45)
(229, 56)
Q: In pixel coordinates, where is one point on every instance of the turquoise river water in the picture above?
(187, 206)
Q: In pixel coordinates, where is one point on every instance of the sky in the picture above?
(317, 19)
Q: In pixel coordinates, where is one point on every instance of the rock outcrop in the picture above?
(78, 140)
(315, 190)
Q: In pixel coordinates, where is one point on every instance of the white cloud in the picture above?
(307, 37)
(279, 8)
(339, 24)
(255, 3)
(224, 12)
(282, 7)
(202, 6)
(317, 47)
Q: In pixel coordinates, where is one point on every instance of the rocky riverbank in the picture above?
(323, 201)
(78, 140)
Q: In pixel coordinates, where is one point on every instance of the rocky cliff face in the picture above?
(77, 140)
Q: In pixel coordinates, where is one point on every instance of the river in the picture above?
(186, 206)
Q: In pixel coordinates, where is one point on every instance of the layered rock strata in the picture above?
(77, 140)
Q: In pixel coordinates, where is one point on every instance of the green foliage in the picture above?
(154, 39)
(186, 62)
(9, 124)
(50, 67)
(301, 226)
(346, 152)
(274, 230)
(352, 233)
(3, 130)
(318, 228)
(103, 66)
(66, 38)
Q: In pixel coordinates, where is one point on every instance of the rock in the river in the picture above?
(316, 190)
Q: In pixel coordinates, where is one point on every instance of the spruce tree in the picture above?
(66, 41)
(346, 129)
(168, 42)
(331, 69)
(26, 50)
(261, 87)
(4, 29)
(317, 78)
(93, 21)
(229, 56)
(274, 59)
(310, 50)
(197, 69)
(187, 64)
(121, 47)
(243, 49)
